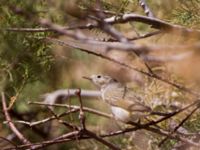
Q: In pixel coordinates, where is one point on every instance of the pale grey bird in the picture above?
(126, 105)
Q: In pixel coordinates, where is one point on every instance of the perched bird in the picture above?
(126, 105)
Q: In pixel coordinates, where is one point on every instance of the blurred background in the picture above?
(30, 66)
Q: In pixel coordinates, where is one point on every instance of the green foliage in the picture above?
(187, 13)
(25, 57)
(193, 124)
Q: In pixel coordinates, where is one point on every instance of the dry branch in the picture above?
(52, 97)
(154, 22)
(11, 125)
(146, 8)
(123, 18)
(103, 56)
(90, 110)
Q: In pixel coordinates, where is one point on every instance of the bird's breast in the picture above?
(120, 114)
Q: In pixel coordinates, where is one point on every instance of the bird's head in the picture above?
(101, 80)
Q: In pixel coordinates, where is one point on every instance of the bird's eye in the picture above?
(115, 80)
(98, 76)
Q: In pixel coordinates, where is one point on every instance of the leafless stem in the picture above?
(81, 111)
(83, 129)
(195, 103)
(65, 93)
(138, 37)
(98, 54)
(11, 125)
(31, 124)
(9, 141)
(154, 22)
(90, 110)
(101, 140)
(61, 139)
(179, 125)
(147, 10)
(28, 29)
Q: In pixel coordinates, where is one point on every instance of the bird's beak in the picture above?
(88, 78)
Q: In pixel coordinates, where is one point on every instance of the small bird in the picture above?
(126, 105)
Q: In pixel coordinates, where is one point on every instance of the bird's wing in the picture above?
(125, 98)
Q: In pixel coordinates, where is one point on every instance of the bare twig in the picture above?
(11, 125)
(31, 124)
(68, 125)
(159, 131)
(154, 22)
(9, 141)
(83, 130)
(123, 18)
(104, 26)
(195, 103)
(27, 29)
(101, 140)
(90, 110)
(117, 35)
(176, 137)
(77, 35)
(179, 125)
(171, 58)
(167, 116)
(138, 37)
(154, 130)
(52, 97)
(109, 29)
(172, 83)
(147, 10)
(81, 112)
(64, 138)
